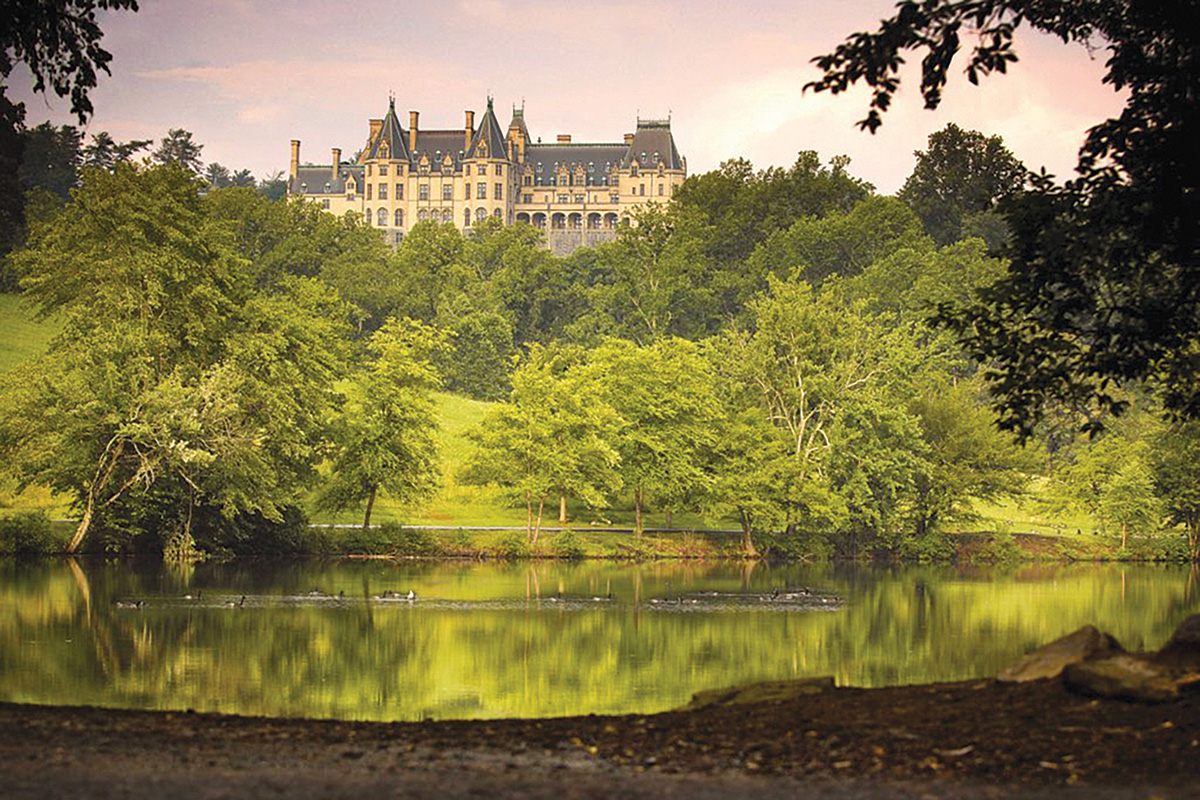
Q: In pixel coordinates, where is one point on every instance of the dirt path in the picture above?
(978, 739)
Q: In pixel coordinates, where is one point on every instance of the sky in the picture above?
(247, 76)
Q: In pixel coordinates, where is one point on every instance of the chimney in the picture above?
(564, 138)
(628, 139)
(470, 130)
(376, 127)
(412, 131)
(337, 161)
(295, 168)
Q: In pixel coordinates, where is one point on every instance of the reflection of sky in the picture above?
(246, 76)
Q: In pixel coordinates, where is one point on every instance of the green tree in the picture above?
(554, 438)
(750, 472)
(840, 243)
(50, 159)
(665, 398)
(1129, 501)
(387, 429)
(1100, 286)
(653, 279)
(218, 177)
(1175, 461)
(968, 458)
(170, 366)
(105, 152)
(178, 147)
(962, 176)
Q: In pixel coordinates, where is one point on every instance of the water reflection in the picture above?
(346, 639)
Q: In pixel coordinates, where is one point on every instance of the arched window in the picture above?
(399, 217)
(422, 215)
(447, 216)
(480, 214)
(383, 217)
(497, 214)
(466, 217)
(367, 216)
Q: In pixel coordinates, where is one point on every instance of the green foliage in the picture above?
(931, 547)
(513, 546)
(567, 544)
(1099, 292)
(1175, 460)
(960, 178)
(172, 365)
(386, 434)
(28, 534)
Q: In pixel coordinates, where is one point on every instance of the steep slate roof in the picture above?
(391, 135)
(489, 133)
(545, 159)
(316, 179)
(653, 142)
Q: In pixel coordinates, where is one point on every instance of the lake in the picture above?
(339, 639)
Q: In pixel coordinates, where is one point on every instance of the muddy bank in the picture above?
(978, 738)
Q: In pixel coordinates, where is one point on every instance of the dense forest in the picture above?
(765, 350)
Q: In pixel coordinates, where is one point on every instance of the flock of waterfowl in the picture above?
(781, 599)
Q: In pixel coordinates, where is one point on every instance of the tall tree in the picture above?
(178, 147)
(171, 368)
(1102, 286)
(552, 440)
(104, 152)
(387, 431)
(961, 177)
(50, 159)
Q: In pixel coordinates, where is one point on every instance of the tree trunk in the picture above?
(82, 530)
(528, 517)
(370, 505)
(562, 509)
(637, 506)
(537, 530)
(1124, 535)
(670, 517)
(1193, 529)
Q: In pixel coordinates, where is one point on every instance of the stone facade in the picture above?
(577, 192)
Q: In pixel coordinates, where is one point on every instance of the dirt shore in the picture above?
(975, 739)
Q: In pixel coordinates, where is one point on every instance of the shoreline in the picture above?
(971, 738)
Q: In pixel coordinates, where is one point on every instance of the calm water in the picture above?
(500, 640)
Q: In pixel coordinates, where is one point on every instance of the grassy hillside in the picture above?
(23, 335)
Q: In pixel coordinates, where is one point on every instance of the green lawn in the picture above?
(23, 335)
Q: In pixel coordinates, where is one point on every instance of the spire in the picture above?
(392, 140)
(489, 138)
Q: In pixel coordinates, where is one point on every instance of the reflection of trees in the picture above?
(357, 658)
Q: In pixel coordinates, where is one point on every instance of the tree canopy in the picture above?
(1102, 286)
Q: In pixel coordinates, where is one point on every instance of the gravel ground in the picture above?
(976, 739)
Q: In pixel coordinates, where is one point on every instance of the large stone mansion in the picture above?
(578, 192)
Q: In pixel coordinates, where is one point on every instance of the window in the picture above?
(499, 169)
(660, 189)
(614, 198)
(562, 198)
(481, 191)
(447, 191)
(468, 169)
(526, 198)
(497, 214)
(383, 191)
(578, 198)
(528, 180)
(422, 215)
(642, 189)
(368, 170)
(399, 217)
(480, 214)
(499, 192)
(466, 217)
(633, 169)
(325, 204)
(369, 187)
(383, 170)
(383, 217)
(467, 193)
(399, 191)
(447, 216)
(367, 216)
(423, 191)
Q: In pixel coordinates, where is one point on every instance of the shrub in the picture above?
(928, 548)
(513, 545)
(568, 545)
(27, 534)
